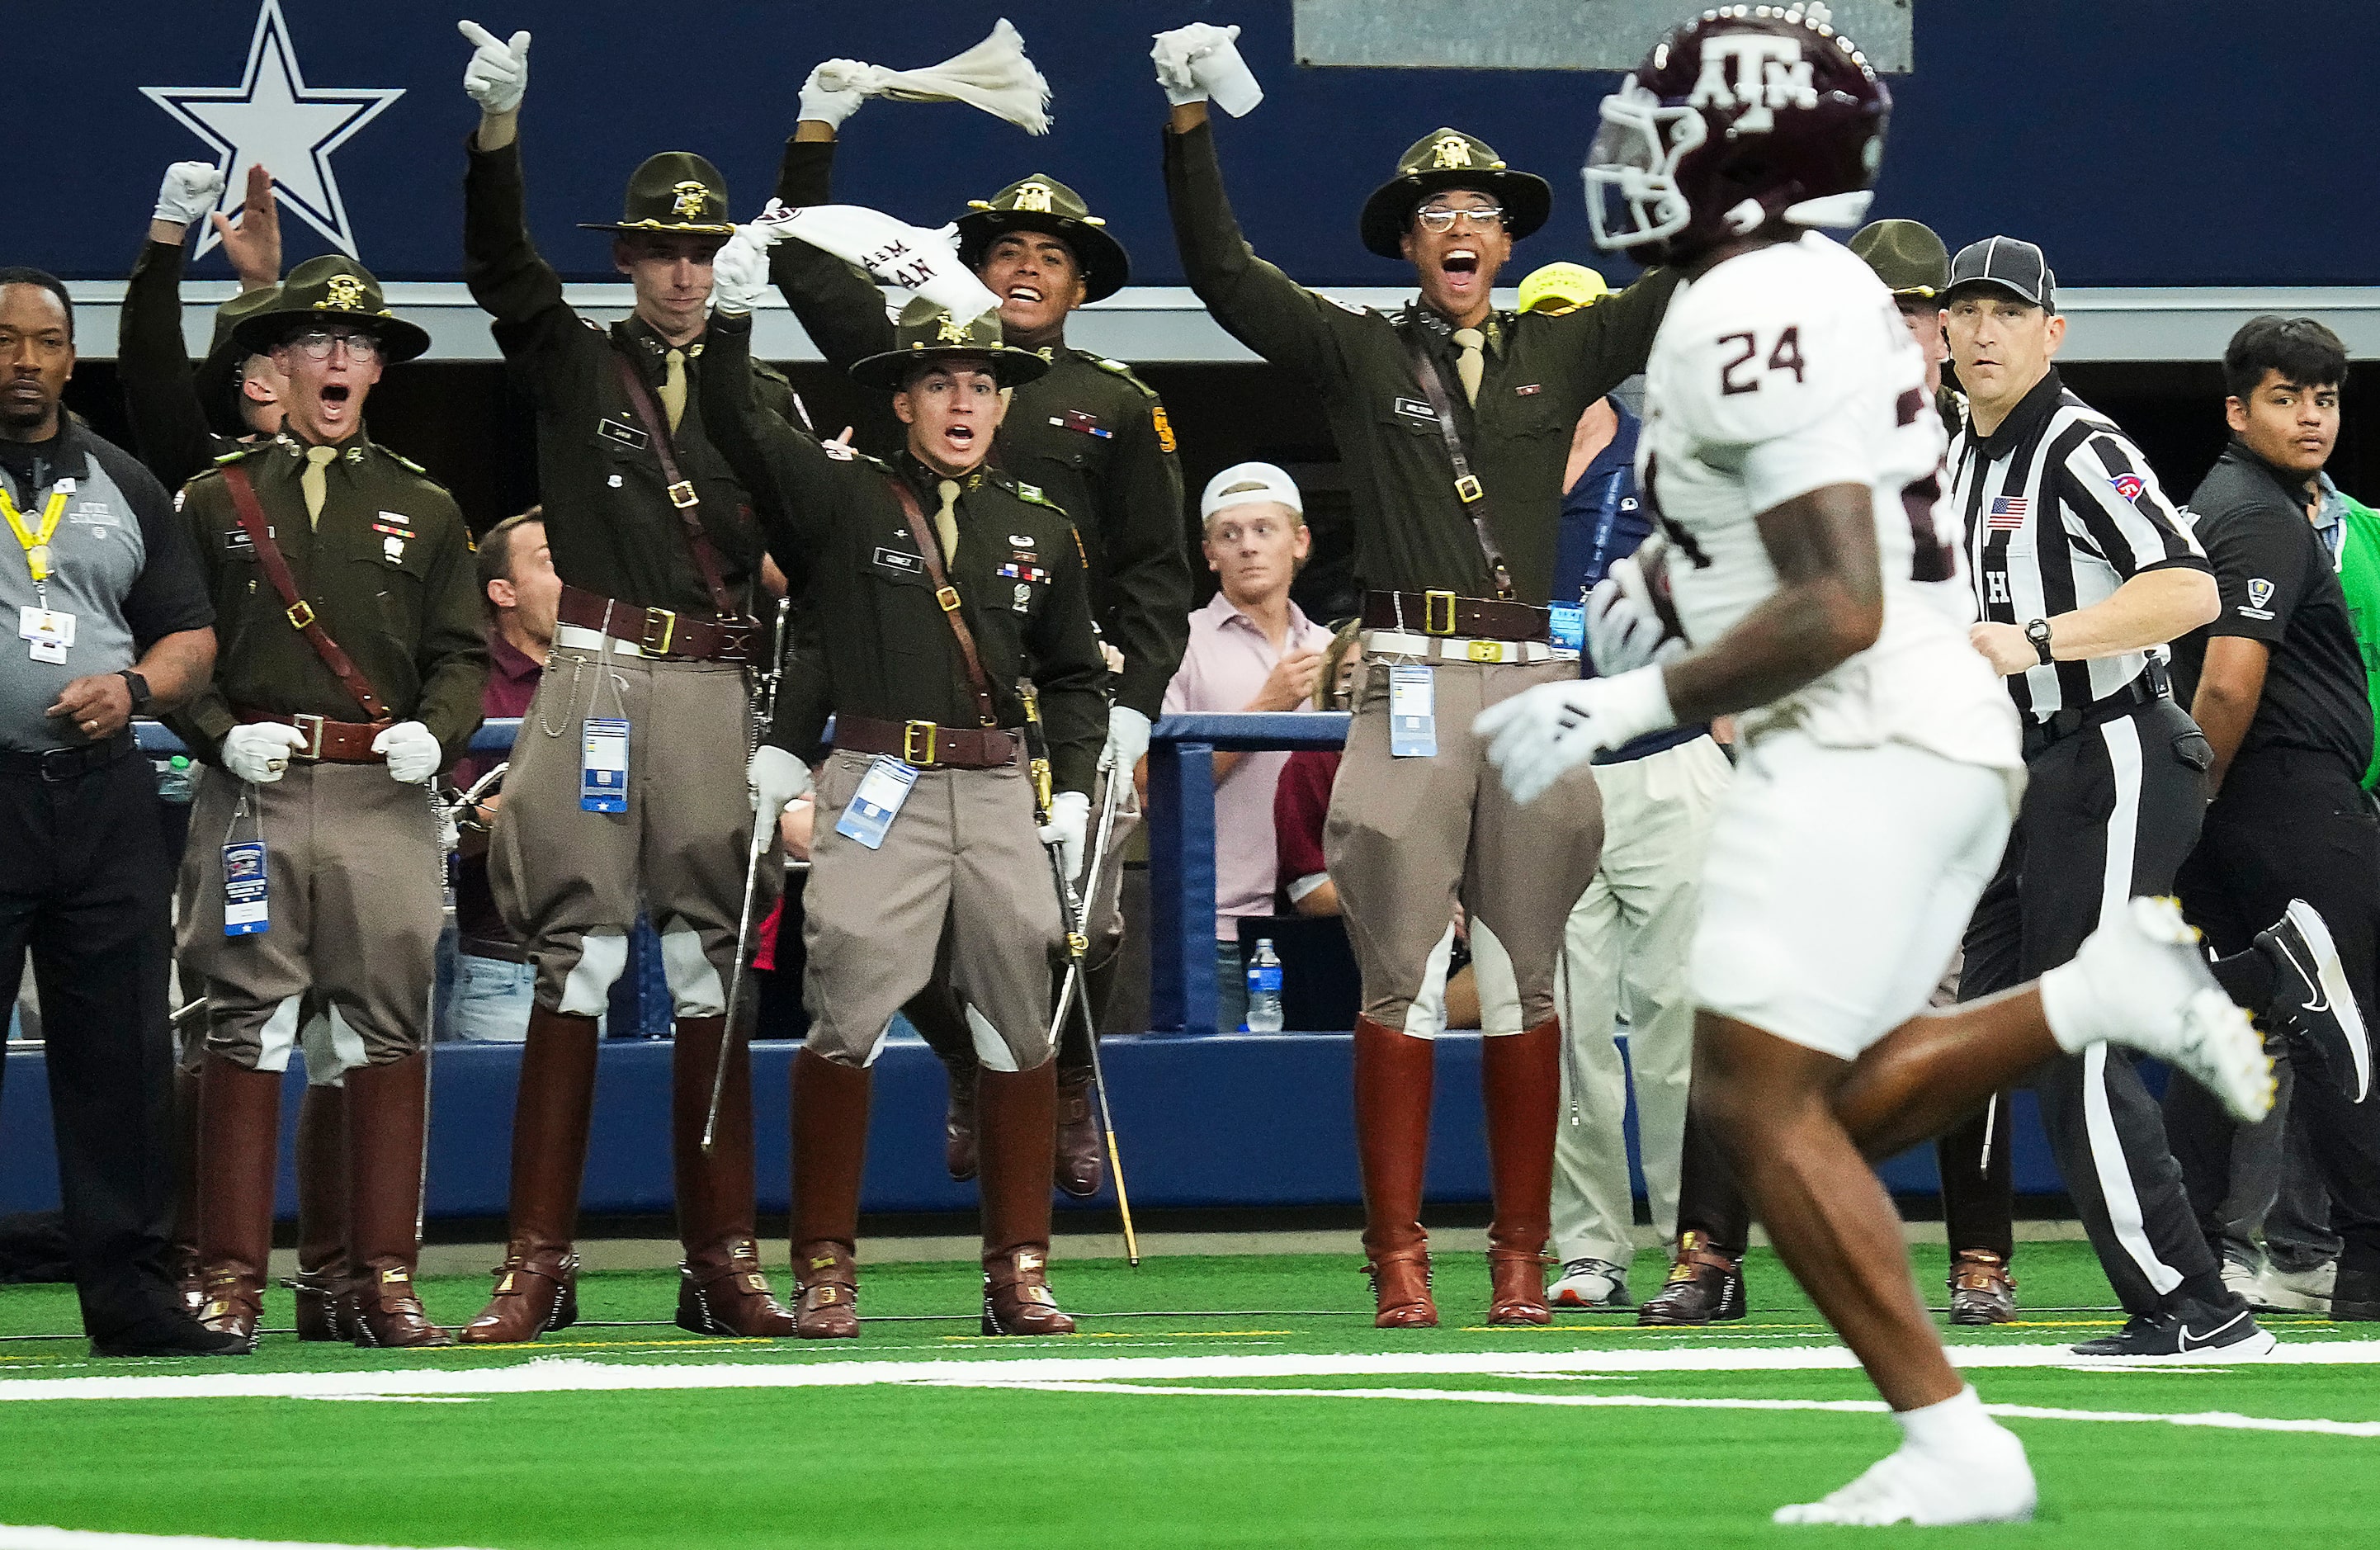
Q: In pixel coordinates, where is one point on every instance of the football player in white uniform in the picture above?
(1793, 458)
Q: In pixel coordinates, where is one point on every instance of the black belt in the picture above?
(67, 764)
(2041, 732)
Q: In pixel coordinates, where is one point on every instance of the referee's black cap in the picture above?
(2006, 264)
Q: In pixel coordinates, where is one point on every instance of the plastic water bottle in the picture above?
(1264, 989)
(176, 782)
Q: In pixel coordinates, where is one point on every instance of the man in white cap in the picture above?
(1251, 649)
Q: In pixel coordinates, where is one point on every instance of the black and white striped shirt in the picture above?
(2062, 510)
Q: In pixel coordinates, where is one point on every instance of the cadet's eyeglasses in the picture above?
(1438, 217)
(317, 345)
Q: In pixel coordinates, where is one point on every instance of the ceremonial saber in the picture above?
(1108, 803)
(758, 849)
(1070, 905)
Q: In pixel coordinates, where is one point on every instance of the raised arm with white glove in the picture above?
(496, 79)
(1127, 740)
(1070, 821)
(1542, 733)
(834, 91)
(412, 752)
(776, 780)
(257, 752)
(739, 271)
(189, 193)
(1202, 61)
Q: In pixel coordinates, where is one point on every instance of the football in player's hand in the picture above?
(1652, 565)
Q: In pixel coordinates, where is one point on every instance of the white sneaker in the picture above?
(1590, 1283)
(2140, 981)
(2296, 1291)
(1987, 1481)
(2245, 1279)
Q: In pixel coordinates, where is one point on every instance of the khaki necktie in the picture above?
(946, 522)
(674, 388)
(316, 488)
(1470, 364)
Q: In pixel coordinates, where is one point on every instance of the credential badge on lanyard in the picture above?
(603, 765)
(247, 910)
(1413, 712)
(47, 631)
(877, 802)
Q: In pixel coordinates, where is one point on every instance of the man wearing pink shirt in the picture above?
(1251, 649)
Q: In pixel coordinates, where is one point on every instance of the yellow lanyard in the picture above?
(37, 545)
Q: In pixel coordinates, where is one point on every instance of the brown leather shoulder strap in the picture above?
(945, 594)
(681, 488)
(1466, 483)
(299, 612)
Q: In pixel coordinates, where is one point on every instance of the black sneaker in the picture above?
(2313, 1000)
(170, 1336)
(2192, 1332)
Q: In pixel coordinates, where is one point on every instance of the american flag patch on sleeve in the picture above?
(2007, 514)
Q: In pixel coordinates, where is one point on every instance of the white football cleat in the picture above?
(1987, 1481)
(2142, 981)
(1590, 1283)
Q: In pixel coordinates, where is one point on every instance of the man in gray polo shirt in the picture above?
(112, 621)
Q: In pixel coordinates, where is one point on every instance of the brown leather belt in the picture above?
(926, 746)
(331, 742)
(1437, 613)
(662, 632)
(489, 948)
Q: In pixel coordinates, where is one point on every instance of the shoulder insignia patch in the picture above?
(407, 462)
(1118, 368)
(2128, 485)
(236, 453)
(1165, 442)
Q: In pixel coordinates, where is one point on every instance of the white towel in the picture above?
(994, 76)
(896, 252)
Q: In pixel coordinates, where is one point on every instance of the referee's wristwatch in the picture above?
(139, 687)
(2038, 633)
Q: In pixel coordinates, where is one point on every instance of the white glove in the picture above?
(834, 91)
(1070, 820)
(776, 780)
(739, 272)
(1624, 630)
(1127, 740)
(1202, 60)
(412, 752)
(497, 76)
(189, 193)
(259, 751)
(1538, 736)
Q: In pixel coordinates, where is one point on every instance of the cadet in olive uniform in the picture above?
(926, 709)
(659, 560)
(1093, 438)
(351, 670)
(1454, 421)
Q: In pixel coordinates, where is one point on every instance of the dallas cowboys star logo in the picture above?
(273, 117)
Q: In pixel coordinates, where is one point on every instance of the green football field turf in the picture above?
(1290, 1423)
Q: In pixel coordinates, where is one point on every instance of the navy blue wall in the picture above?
(2145, 145)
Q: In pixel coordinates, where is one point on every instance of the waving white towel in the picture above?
(896, 252)
(994, 76)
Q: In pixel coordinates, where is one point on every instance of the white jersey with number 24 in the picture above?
(1780, 372)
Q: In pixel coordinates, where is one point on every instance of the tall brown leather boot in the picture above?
(830, 1154)
(182, 1244)
(322, 1283)
(1019, 1113)
(387, 1108)
(721, 1289)
(537, 1286)
(1520, 1077)
(934, 1012)
(240, 1135)
(1393, 1074)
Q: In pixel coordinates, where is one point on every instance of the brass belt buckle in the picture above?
(667, 618)
(1485, 651)
(1437, 613)
(312, 726)
(1468, 488)
(917, 743)
(302, 614)
(948, 596)
(682, 493)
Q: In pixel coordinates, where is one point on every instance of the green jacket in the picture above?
(1089, 434)
(2359, 574)
(890, 653)
(1412, 532)
(388, 571)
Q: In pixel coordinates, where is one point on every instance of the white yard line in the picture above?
(2217, 1420)
(31, 1538)
(576, 1374)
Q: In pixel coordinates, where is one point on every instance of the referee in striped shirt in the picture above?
(2084, 573)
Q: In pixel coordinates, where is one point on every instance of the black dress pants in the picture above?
(2109, 811)
(84, 886)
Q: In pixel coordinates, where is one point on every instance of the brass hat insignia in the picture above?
(346, 294)
(691, 198)
(950, 331)
(1033, 198)
(1450, 151)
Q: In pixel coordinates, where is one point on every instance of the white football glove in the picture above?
(412, 752)
(1070, 821)
(189, 193)
(497, 76)
(833, 92)
(257, 752)
(1624, 630)
(1202, 60)
(1127, 740)
(775, 780)
(1540, 735)
(739, 272)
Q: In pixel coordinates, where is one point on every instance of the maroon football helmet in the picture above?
(1747, 115)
